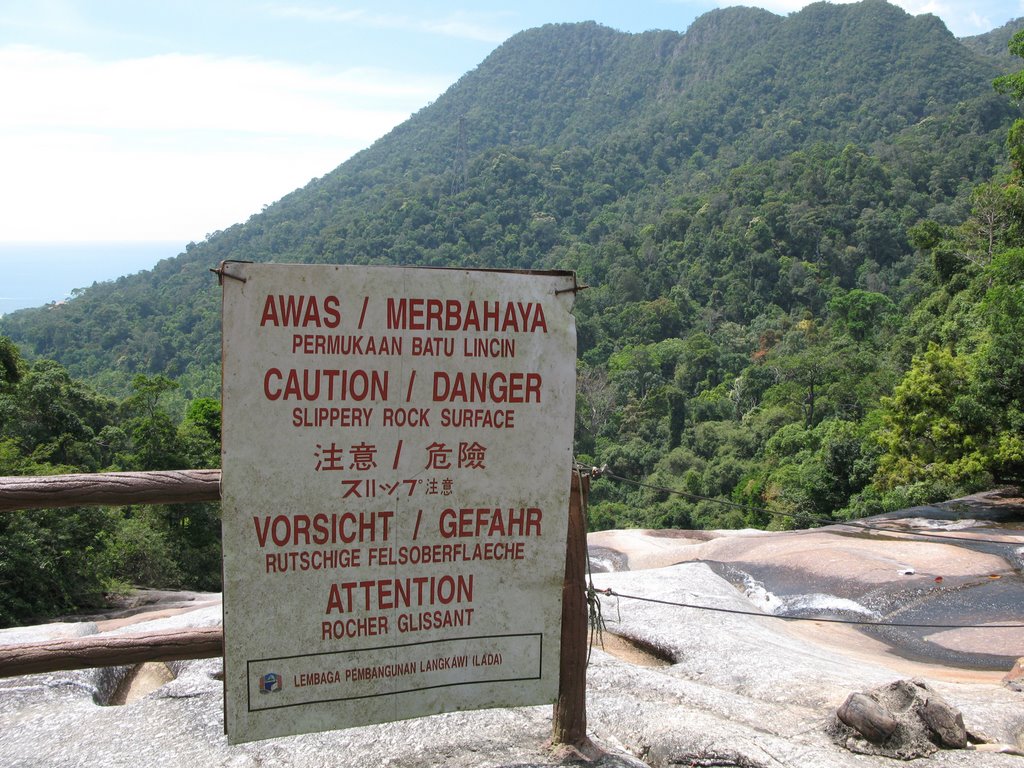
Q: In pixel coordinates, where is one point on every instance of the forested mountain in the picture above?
(995, 43)
(802, 235)
(563, 138)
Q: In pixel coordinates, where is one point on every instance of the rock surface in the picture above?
(740, 691)
(731, 690)
(964, 567)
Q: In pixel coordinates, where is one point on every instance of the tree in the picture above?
(860, 313)
(199, 433)
(995, 213)
(934, 427)
(154, 435)
(10, 362)
(1013, 86)
(53, 417)
(595, 405)
(1001, 359)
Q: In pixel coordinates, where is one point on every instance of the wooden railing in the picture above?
(182, 486)
(109, 488)
(569, 720)
(107, 650)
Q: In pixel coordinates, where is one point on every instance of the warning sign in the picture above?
(397, 449)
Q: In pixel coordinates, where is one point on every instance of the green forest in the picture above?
(803, 238)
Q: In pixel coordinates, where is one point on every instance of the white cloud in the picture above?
(68, 186)
(458, 24)
(965, 17)
(176, 92)
(174, 146)
(53, 16)
(961, 18)
(462, 26)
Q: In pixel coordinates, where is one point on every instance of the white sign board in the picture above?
(397, 454)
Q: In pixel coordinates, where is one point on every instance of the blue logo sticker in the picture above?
(270, 682)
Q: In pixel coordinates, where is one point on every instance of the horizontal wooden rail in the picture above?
(109, 489)
(105, 650)
(183, 486)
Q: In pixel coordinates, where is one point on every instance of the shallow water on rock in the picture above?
(604, 560)
(953, 607)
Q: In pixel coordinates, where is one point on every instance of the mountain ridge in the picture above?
(629, 117)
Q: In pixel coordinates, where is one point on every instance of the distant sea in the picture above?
(34, 274)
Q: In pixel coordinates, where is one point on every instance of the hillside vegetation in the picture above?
(804, 238)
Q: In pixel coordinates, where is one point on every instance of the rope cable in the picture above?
(595, 616)
(612, 593)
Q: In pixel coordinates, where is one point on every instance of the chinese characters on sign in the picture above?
(397, 448)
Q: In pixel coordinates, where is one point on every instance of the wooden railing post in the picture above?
(569, 719)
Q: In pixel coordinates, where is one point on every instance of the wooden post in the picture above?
(569, 719)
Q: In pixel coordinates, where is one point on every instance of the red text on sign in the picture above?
(495, 387)
(488, 521)
(301, 311)
(329, 384)
(304, 530)
(334, 344)
(455, 315)
(367, 626)
(385, 594)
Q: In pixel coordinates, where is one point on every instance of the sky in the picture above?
(145, 120)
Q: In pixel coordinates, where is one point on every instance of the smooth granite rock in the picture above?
(741, 691)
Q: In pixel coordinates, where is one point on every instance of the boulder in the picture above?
(905, 719)
(869, 718)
